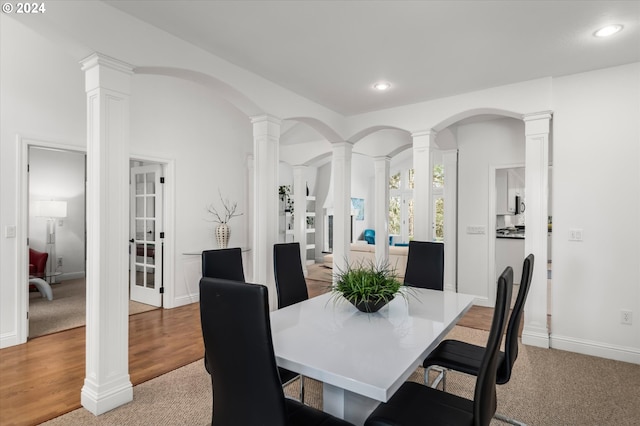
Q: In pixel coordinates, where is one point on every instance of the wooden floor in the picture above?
(42, 378)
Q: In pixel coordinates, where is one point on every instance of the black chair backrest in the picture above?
(484, 401)
(511, 338)
(237, 337)
(425, 265)
(223, 263)
(289, 277)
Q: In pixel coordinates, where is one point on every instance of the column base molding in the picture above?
(99, 402)
(535, 336)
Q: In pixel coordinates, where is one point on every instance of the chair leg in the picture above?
(441, 376)
(509, 420)
(302, 388)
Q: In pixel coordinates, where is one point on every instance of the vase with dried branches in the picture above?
(222, 231)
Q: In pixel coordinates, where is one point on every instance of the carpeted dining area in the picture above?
(548, 387)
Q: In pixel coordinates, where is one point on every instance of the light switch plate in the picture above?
(476, 230)
(575, 234)
(10, 231)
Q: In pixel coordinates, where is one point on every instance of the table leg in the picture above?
(43, 287)
(347, 405)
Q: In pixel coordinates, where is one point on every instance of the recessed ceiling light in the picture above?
(608, 30)
(382, 86)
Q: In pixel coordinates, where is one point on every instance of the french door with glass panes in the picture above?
(146, 239)
(401, 216)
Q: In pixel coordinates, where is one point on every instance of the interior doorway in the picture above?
(56, 221)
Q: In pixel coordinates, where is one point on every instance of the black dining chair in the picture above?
(291, 287)
(425, 265)
(287, 270)
(223, 263)
(244, 376)
(466, 357)
(227, 264)
(417, 404)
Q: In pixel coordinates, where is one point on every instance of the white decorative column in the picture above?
(107, 384)
(381, 208)
(266, 137)
(341, 170)
(450, 196)
(423, 177)
(537, 125)
(300, 212)
(247, 257)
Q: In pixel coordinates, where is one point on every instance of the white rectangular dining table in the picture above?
(363, 358)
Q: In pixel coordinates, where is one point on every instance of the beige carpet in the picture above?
(67, 309)
(548, 387)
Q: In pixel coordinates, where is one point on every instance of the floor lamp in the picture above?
(51, 210)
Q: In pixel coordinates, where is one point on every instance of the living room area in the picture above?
(219, 127)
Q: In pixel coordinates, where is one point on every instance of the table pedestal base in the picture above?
(347, 405)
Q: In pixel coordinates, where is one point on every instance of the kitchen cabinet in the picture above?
(510, 252)
(509, 184)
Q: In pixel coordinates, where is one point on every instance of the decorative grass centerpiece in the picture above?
(367, 286)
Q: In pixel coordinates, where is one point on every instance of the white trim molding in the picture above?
(589, 347)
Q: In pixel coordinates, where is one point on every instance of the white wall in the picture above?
(362, 173)
(481, 145)
(40, 102)
(209, 141)
(596, 187)
(59, 175)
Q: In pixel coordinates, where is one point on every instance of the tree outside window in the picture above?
(394, 215)
(395, 181)
(438, 205)
(439, 219)
(438, 176)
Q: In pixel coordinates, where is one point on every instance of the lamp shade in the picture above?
(50, 208)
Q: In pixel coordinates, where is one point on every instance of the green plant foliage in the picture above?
(367, 282)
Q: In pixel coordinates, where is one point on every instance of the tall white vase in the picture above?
(222, 235)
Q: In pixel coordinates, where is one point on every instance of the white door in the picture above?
(406, 230)
(146, 246)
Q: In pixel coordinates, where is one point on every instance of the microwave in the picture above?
(519, 204)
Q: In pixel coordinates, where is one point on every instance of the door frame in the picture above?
(22, 231)
(491, 229)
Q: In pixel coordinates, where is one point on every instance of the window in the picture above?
(438, 202)
(394, 181)
(401, 206)
(438, 229)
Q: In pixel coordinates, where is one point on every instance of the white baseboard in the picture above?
(539, 338)
(70, 276)
(185, 300)
(9, 339)
(482, 301)
(587, 347)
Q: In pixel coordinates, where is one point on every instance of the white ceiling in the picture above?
(331, 52)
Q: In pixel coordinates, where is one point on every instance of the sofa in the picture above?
(365, 253)
(37, 263)
(37, 266)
